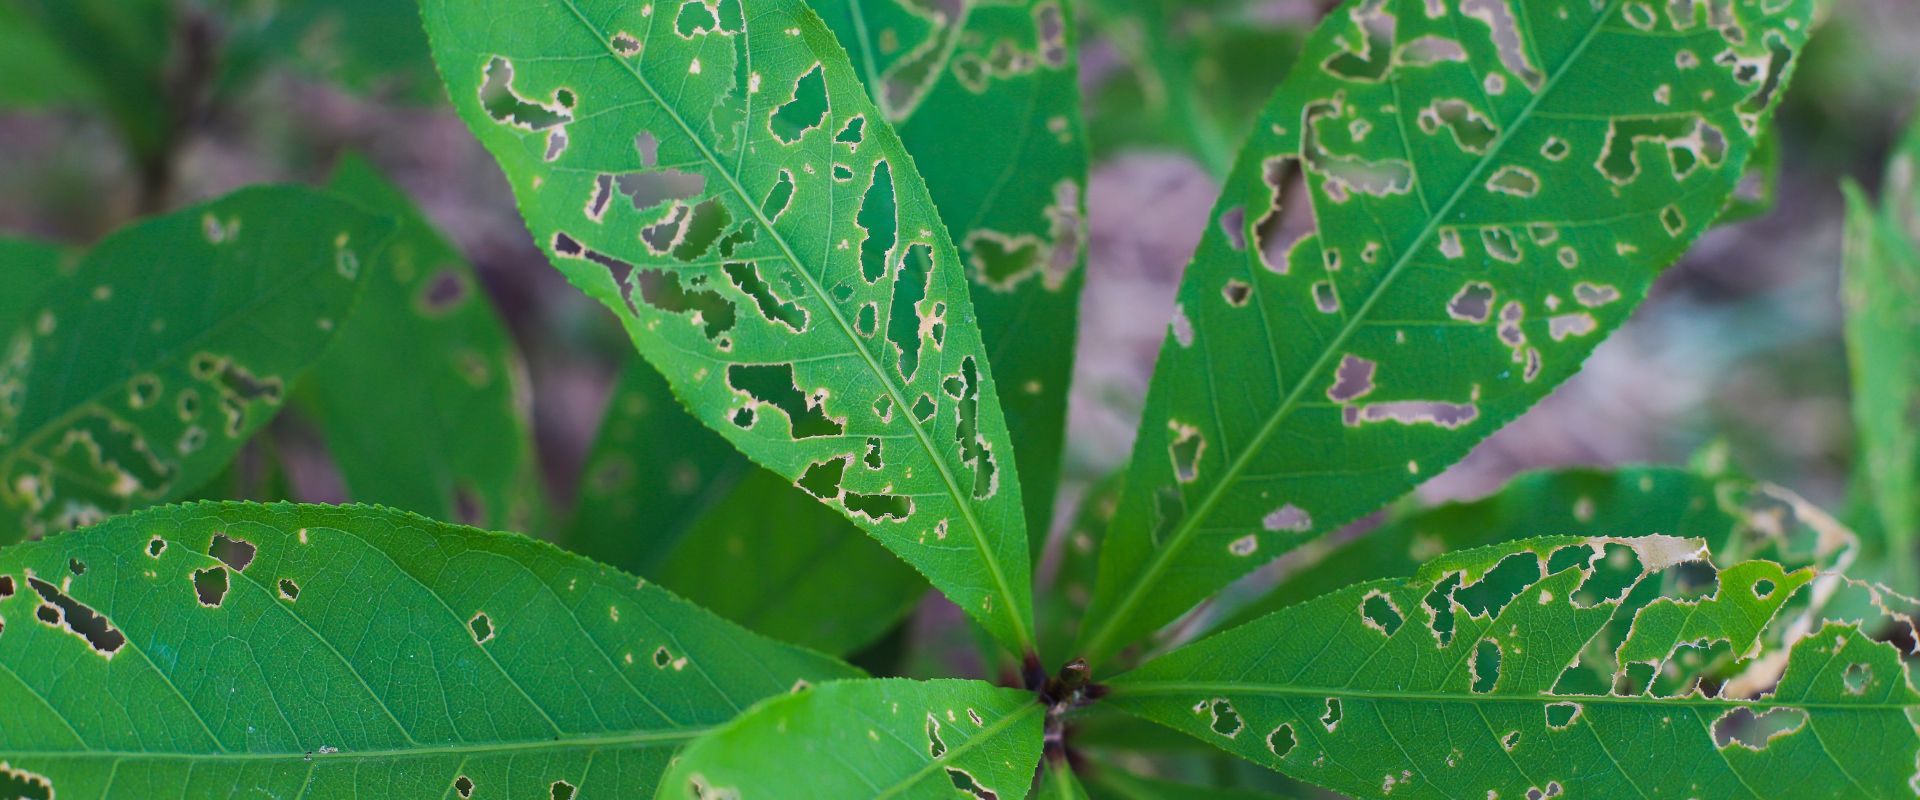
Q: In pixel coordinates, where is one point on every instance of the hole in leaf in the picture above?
(1743, 727)
(1379, 613)
(23, 785)
(1185, 449)
(974, 451)
(822, 478)
(923, 408)
(6, 586)
(562, 790)
(481, 626)
(1352, 380)
(1224, 719)
(76, 618)
(210, 586)
(774, 385)
(903, 316)
(1281, 741)
(879, 506)
(235, 553)
(746, 278)
(647, 189)
(1485, 666)
(963, 781)
(1857, 678)
(1331, 719)
(935, 746)
(289, 591)
(507, 106)
(805, 111)
(877, 218)
(464, 786)
(76, 566)
(156, 546)
(1562, 715)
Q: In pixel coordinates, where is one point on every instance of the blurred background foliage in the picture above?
(115, 109)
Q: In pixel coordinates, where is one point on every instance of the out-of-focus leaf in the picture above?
(422, 395)
(720, 180)
(1882, 295)
(1114, 783)
(27, 268)
(1348, 690)
(1754, 196)
(234, 649)
(124, 48)
(986, 99)
(1057, 782)
(35, 71)
(1436, 220)
(364, 45)
(1198, 75)
(1061, 607)
(872, 738)
(668, 499)
(133, 380)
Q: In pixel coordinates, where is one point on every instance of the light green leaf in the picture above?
(1057, 782)
(134, 380)
(1487, 191)
(39, 71)
(1882, 296)
(732, 195)
(986, 99)
(27, 268)
(1446, 685)
(221, 649)
(667, 498)
(1736, 517)
(872, 738)
(422, 397)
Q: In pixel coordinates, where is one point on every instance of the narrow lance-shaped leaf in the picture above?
(309, 651)
(666, 498)
(986, 99)
(1735, 516)
(1440, 214)
(720, 181)
(872, 738)
(422, 397)
(1459, 684)
(1882, 296)
(135, 379)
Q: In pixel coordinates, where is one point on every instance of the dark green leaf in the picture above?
(134, 380)
(27, 268)
(231, 649)
(422, 397)
(1437, 219)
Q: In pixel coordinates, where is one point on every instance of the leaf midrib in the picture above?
(607, 740)
(1095, 648)
(1156, 689)
(977, 740)
(1008, 607)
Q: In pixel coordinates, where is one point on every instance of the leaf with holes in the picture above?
(343, 651)
(1456, 684)
(134, 379)
(1881, 291)
(668, 499)
(423, 397)
(985, 97)
(871, 738)
(1440, 213)
(1734, 516)
(733, 196)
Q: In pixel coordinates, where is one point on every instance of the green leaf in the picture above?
(1440, 686)
(134, 380)
(988, 104)
(1734, 516)
(873, 738)
(1114, 783)
(316, 651)
(1062, 604)
(1199, 74)
(737, 201)
(422, 397)
(40, 73)
(1759, 185)
(124, 48)
(1486, 193)
(363, 45)
(1882, 295)
(27, 268)
(667, 498)
(1057, 782)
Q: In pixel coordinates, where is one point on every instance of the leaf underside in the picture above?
(1440, 214)
(986, 99)
(872, 738)
(134, 379)
(719, 180)
(1465, 681)
(206, 649)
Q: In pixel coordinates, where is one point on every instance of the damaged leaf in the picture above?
(720, 182)
(872, 738)
(1440, 214)
(1881, 291)
(985, 98)
(350, 653)
(423, 398)
(666, 498)
(1320, 692)
(134, 379)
